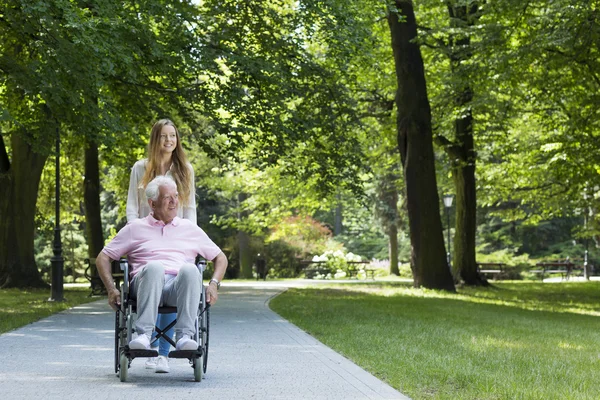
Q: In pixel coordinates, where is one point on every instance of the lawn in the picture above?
(20, 307)
(517, 340)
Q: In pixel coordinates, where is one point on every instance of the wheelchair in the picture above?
(124, 327)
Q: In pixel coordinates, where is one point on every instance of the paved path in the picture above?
(254, 354)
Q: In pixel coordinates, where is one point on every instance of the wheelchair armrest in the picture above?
(124, 266)
(201, 264)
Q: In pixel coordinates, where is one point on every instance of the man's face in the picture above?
(165, 207)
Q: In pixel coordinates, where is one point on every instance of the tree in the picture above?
(461, 150)
(545, 75)
(71, 70)
(26, 74)
(430, 268)
(387, 211)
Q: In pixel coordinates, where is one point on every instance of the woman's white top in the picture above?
(137, 205)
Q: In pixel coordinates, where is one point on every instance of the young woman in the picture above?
(165, 157)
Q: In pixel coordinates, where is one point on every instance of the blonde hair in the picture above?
(180, 169)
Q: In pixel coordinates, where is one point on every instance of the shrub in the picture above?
(281, 260)
(304, 233)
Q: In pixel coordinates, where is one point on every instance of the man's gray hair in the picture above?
(152, 187)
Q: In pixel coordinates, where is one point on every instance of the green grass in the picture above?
(20, 307)
(518, 340)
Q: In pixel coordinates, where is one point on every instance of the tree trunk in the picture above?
(393, 250)
(428, 257)
(245, 252)
(338, 218)
(464, 259)
(387, 198)
(245, 255)
(20, 181)
(463, 156)
(91, 199)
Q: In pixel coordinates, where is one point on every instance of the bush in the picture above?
(281, 260)
(303, 233)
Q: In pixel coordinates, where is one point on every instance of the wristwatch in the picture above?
(215, 281)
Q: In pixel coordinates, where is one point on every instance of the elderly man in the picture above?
(161, 250)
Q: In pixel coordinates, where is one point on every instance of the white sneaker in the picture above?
(162, 365)
(142, 342)
(186, 343)
(151, 363)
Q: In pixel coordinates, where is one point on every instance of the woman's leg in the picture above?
(164, 345)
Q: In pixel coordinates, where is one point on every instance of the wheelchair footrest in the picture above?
(185, 353)
(140, 353)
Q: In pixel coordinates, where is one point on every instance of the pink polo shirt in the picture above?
(174, 244)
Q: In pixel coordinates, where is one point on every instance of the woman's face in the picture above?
(168, 139)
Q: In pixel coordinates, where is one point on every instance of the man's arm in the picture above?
(220, 263)
(103, 264)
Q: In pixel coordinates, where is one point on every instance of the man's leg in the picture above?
(147, 289)
(184, 291)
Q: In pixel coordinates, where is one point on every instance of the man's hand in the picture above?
(114, 299)
(212, 295)
(220, 263)
(103, 265)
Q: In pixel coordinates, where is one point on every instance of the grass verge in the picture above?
(517, 340)
(24, 306)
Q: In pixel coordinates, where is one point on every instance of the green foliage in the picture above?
(281, 259)
(302, 232)
(552, 239)
(74, 251)
(269, 95)
(370, 243)
(287, 109)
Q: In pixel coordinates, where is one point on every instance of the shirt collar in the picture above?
(153, 221)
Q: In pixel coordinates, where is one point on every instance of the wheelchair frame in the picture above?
(124, 324)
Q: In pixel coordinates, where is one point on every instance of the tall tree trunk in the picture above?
(91, 200)
(387, 210)
(393, 250)
(462, 152)
(464, 259)
(245, 252)
(20, 180)
(428, 258)
(338, 218)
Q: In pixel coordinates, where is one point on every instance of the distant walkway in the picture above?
(254, 354)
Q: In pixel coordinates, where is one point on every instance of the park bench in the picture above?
(312, 269)
(353, 269)
(564, 268)
(491, 268)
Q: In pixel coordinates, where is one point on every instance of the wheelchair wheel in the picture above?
(117, 334)
(197, 370)
(205, 331)
(124, 367)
